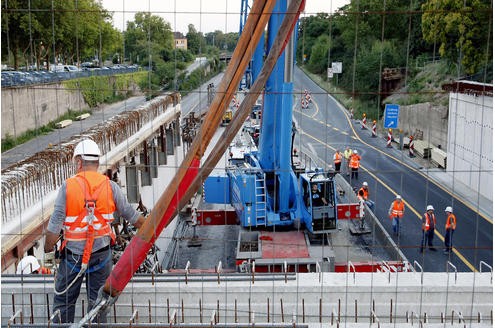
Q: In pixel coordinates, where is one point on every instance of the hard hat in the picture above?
(355, 151)
(448, 209)
(398, 197)
(88, 149)
(429, 207)
(27, 265)
(365, 184)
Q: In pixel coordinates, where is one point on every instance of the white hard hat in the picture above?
(398, 197)
(448, 209)
(355, 151)
(429, 207)
(365, 184)
(27, 265)
(88, 149)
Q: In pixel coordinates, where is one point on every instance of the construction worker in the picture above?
(30, 265)
(84, 211)
(354, 164)
(429, 222)
(347, 157)
(337, 160)
(395, 213)
(450, 226)
(361, 201)
(369, 202)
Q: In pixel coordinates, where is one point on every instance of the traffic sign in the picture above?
(391, 117)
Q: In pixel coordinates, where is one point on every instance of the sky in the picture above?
(205, 15)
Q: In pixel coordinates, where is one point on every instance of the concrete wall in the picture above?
(30, 107)
(432, 120)
(470, 148)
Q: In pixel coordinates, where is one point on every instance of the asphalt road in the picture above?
(325, 126)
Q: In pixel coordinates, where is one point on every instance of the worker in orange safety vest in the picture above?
(369, 202)
(337, 160)
(84, 210)
(396, 212)
(429, 221)
(354, 163)
(450, 226)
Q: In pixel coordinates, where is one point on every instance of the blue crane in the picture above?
(264, 188)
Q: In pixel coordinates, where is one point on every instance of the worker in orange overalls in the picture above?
(354, 164)
(84, 211)
(450, 226)
(429, 221)
(369, 202)
(337, 160)
(396, 212)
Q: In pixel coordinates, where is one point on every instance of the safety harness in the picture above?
(93, 218)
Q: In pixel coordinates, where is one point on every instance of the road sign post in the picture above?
(391, 117)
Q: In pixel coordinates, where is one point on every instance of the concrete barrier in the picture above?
(82, 116)
(63, 124)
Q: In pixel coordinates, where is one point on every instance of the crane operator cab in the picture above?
(319, 211)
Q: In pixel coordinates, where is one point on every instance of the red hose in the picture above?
(136, 251)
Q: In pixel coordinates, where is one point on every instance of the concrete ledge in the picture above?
(63, 124)
(82, 116)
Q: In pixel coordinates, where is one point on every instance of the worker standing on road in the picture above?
(429, 222)
(354, 164)
(84, 210)
(450, 226)
(337, 160)
(369, 202)
(347, 157)
(361, 201)
(396, 212)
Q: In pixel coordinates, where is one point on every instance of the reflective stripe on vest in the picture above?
(427, 221)
(354, 162)
(398, 209)
(337, 158)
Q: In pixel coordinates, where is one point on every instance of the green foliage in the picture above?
(196, 42)
(187, 83)
(148, 34)
(10, 142)
(67, 30)
(462, 29)
(105, 89)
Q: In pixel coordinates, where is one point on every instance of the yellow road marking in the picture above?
(419, 216)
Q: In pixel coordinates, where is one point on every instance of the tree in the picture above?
(57, 30)
(195, 40)
(462, 31)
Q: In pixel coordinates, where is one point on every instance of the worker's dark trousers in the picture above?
(354, 173)
(337, 167)
(428, 237)
(448, 239)
(99, 268)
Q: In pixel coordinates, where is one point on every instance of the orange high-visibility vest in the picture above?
(365, 193)
(427, 221)
(354, 161)
(337, 158)
(451, 222)
(81, 189)
(397, 209)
